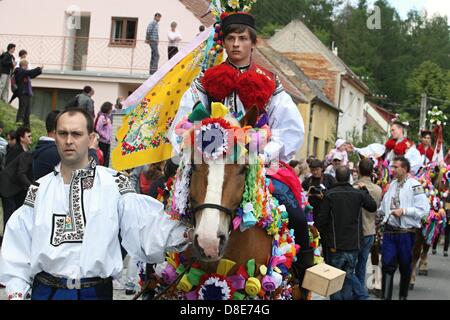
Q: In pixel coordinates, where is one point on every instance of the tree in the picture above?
(316, 14)
(430, 79)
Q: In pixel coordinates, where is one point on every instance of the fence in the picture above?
(86, 54)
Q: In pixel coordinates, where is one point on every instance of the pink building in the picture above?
(98, 43)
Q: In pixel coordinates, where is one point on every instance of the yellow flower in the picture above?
(234, 4)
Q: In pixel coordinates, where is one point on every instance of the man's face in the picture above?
(27, 139)
(73, 140)
(239, 47)
(398, 171)
(426, 140)
(12, 50)
(336, 163)
(396, 132)
(316, 172)
(158, 18)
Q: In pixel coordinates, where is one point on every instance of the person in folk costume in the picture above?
(400, 146)
(425, 148)
(64, 241)
(403, 207)
(240, 84)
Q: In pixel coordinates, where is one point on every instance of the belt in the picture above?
(64, 283)
(391, 229)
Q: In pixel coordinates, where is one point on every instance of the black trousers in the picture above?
(11, 204)
(105, 149)
(172, 51)
(23, 114)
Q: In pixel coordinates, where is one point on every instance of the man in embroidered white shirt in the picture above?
(63, 242)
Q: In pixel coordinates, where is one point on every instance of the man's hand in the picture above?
(397, 212)
(360, 186)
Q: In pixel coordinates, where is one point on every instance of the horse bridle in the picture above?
(212, 206)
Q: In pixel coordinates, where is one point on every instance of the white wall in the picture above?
(42, 32)
(47, 17)
(352, 104)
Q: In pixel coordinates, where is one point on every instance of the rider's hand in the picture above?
(397, 212)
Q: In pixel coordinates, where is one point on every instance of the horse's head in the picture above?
(216, 192)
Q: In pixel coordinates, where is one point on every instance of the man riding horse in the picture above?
(241, 85)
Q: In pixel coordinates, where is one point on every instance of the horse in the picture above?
(216, 191)
(422, 243)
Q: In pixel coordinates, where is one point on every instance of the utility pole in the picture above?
(423, 112)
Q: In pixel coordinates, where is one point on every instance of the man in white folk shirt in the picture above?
(63, 242)
(403, 207)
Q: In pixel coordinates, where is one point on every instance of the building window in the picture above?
(315, 146)
(327, 147)
(124, 31)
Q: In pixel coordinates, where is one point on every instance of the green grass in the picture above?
(8, 117)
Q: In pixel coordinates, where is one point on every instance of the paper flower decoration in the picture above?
(215, 287)
(437, 116)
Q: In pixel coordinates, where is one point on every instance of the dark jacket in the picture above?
(23, 80)
(340, 218)
(17, 175)
(46, 157)
(6, 63)
(13, 153)
(327, 181)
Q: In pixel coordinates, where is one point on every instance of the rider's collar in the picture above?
(241, 69)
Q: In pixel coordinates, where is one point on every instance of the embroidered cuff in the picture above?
(16, 296)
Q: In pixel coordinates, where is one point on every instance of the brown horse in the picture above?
(216, 191)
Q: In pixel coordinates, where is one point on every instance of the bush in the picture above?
(8, 117)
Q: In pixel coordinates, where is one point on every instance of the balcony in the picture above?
(88, 55)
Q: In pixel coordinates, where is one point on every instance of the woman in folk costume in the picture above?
(399, 145)
(425, 148)
(240, 84)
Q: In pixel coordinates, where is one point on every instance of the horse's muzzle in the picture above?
(211, 250)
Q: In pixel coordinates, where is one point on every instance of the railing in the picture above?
(102, 55)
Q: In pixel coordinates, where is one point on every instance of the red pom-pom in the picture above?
(400, 148)
(390, 144)
(220, 81)
(255, 89)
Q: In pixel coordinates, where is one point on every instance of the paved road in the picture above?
(435, 286)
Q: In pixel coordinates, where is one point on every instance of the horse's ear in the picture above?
(250, 118)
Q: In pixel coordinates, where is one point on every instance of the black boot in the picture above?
(404, 286)
(305, 260)
(387, 286)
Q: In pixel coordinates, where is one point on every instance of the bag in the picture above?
(73, 103)
(14, 86)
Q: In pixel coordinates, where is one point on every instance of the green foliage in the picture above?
(402, 60)
(8, 117)
(269, 29)
(370, 135)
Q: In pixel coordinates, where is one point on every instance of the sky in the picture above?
(432, 6)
